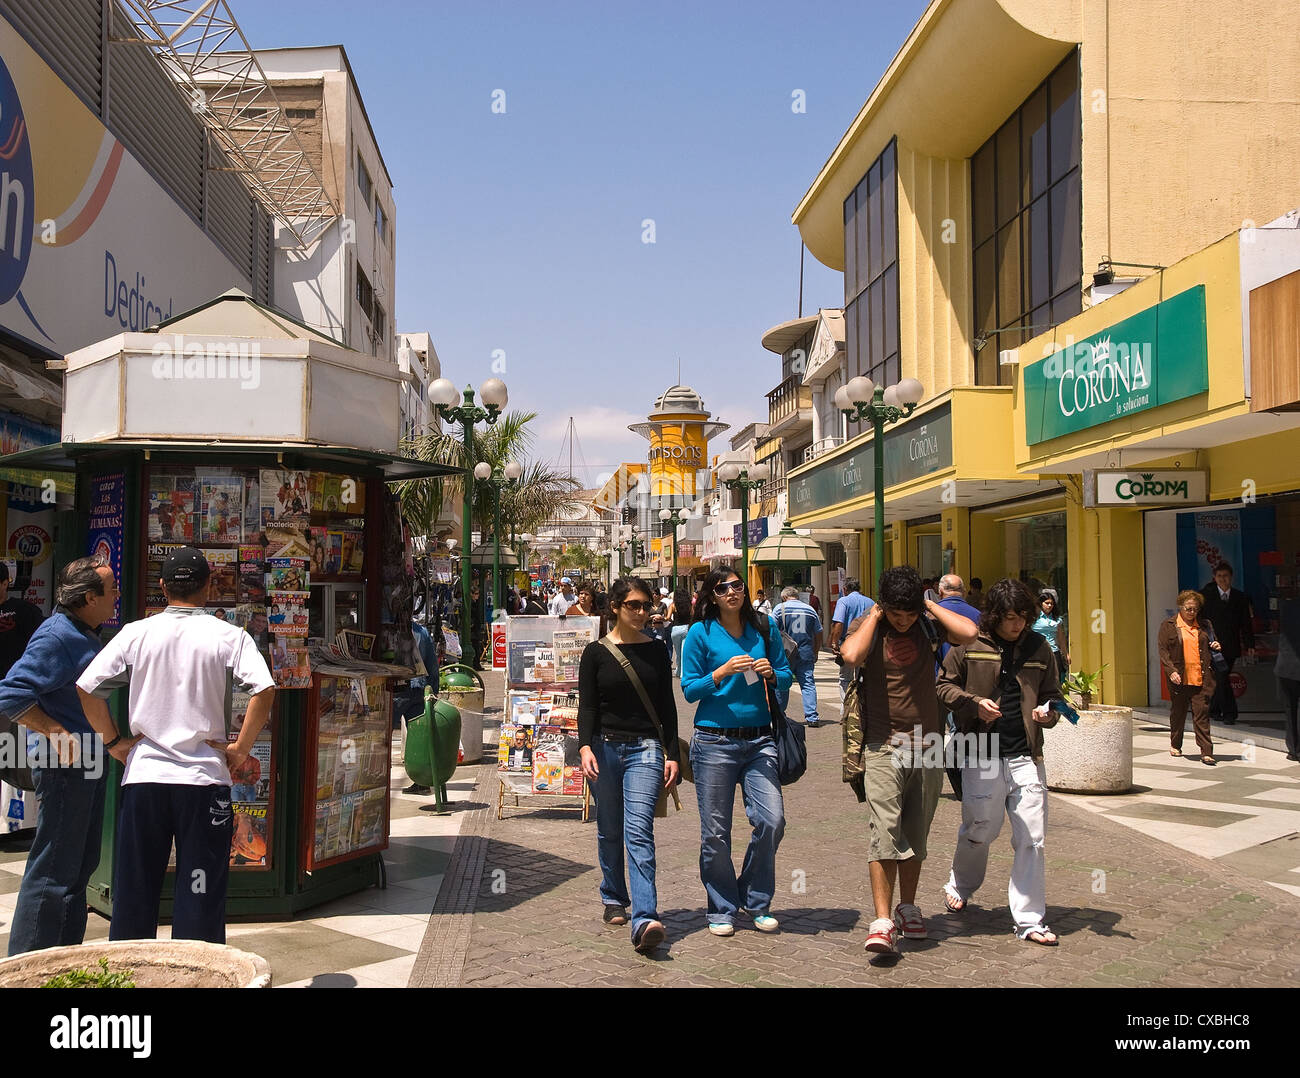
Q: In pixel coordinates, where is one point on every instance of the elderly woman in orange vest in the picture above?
(1185, 644)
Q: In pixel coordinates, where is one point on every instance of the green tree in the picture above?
(541, 494)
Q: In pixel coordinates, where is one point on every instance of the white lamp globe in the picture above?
(760, 471)
(910, 391)
(493, 393)
(891, 397)
(860, 389)
(482, 470)
(842, 401)
(443, 391)
(729, 471)
(514, 470)
(664, 515)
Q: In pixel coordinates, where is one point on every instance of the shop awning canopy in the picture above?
(66, 456)
(787, 548)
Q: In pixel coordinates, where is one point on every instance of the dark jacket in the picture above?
(970, 673)
(1169, 646)
(1231, 619)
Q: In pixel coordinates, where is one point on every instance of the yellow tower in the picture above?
(678, 429)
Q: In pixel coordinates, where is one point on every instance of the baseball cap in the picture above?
(566, 580)
(663, 591)
(186, 566)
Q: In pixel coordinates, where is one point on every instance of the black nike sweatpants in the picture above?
(201, 821)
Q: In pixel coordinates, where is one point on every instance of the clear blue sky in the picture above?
(523, 231)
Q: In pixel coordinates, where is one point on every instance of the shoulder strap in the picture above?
(636, 684)
(927, 623)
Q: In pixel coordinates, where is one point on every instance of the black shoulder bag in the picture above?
(791, 740)
(683, 748)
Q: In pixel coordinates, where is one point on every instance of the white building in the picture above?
(419, 364)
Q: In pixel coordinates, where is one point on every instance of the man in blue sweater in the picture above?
(67, 758)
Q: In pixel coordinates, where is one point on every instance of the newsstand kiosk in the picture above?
(268, 446)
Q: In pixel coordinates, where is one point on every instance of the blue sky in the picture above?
(523, 231)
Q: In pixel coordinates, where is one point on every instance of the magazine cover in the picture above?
(284, 496)
(368, 819)
(520, 659)
(356, 644)
(331, 493)
(222, 513)
(287, 574)
(564, 759)
(286, 612)
(286, 541)
(289, 665)
(564, 710)
(252, 574)
(548, 769)
(543, 668)
(250, 842)
(225, 575)
(252, 506)
(348, 805)
(333, 552)
(515, 749)
(352, 552)
(171, 512)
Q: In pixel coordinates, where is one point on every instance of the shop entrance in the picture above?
(1262, 544)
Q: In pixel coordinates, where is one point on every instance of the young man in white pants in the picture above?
(998, 689)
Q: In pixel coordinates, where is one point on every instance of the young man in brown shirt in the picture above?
(896, 646)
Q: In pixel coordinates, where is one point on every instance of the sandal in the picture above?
(1175, 752)
(1208, 760)
(954, 904)
(1044, 937)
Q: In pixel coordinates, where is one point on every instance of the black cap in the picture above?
(185, 566)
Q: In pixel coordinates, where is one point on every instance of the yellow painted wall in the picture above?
(956, 533)
(675, 476)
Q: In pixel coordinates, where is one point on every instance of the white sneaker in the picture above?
(764, 922)
(721, 928)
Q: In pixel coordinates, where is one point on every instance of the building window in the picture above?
(300, 114)
(363, 179)
(381, 222)
(1026, 203)
(378, 324)
(365, 294)
(871, 272)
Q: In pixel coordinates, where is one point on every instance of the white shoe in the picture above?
(721, 928)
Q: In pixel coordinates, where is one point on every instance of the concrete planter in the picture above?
(154, 963)
(1094, 757)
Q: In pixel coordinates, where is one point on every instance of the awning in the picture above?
(66, 456)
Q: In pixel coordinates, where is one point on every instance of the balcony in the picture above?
(789, 406)
(822, 445)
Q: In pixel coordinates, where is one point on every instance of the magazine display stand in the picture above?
(538, 751)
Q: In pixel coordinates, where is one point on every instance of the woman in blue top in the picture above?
(1051, 624)
(731, 659)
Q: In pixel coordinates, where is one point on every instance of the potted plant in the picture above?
(1083, 686)
(136, 964)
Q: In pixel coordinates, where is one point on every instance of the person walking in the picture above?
(178, 668)
(761, 603)
(627, 731)
(1186, 649)
(731, 659)
(850, 606)
(679, 616)
(951, 590)
(564, 599)
(1287, 670)
(1000, 688)
(800, 621)
(1229, 611)
(68, 769)
(1050, 624)
(813, 601)
(897, 645)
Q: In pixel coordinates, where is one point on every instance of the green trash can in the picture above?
(433, 747)
(463, 688)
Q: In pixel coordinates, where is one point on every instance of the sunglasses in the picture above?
(729, 586)
(636, 606)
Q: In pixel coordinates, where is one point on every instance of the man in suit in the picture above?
(1229, 611)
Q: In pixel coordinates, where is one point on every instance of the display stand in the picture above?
(538, 753)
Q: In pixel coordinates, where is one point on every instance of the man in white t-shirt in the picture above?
(179, 668)
(565, 599)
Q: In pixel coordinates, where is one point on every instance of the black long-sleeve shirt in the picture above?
(608, 702)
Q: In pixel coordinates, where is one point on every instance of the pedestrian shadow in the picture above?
(805, 921)
(513, 875)
(978, 920)
(453, 806)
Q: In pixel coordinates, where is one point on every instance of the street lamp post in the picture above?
(860, 400)
(444, 394)
(671, 517)
(510, 474)
(734, 477)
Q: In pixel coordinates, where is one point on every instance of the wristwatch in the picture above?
(110, 744)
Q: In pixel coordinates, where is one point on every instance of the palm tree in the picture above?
(540, 495)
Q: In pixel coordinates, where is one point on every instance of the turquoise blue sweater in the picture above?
(735, 702)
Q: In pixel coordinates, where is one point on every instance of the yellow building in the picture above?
(1011, 151)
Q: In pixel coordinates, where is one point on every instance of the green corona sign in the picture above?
(1152, 358)
(912, 449)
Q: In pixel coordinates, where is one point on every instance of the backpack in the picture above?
(853, 722)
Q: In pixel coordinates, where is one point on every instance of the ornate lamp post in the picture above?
(509, 474)
(671, 518)
(734, 477)
(444, 394)
(861, 401)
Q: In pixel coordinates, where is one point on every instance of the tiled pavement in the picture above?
(1130, 909)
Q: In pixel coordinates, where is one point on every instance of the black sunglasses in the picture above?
(636, 606)
(730, 585)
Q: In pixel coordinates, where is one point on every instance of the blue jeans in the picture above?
(720, 764)
(803, 673)
(631, 774)
(51, 909)
(679, 638)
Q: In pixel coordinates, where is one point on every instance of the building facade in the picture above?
(977, 229)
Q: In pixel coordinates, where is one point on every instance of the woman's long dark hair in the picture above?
(707, 608)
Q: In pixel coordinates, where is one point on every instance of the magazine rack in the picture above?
(537, 755)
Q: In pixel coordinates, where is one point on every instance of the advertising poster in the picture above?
(499, 645)
(29, 537)
(104, 527)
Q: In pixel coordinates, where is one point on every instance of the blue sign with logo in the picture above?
(17, 191)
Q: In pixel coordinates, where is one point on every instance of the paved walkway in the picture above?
(519, 904)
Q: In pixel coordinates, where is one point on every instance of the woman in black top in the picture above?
(627, 758)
